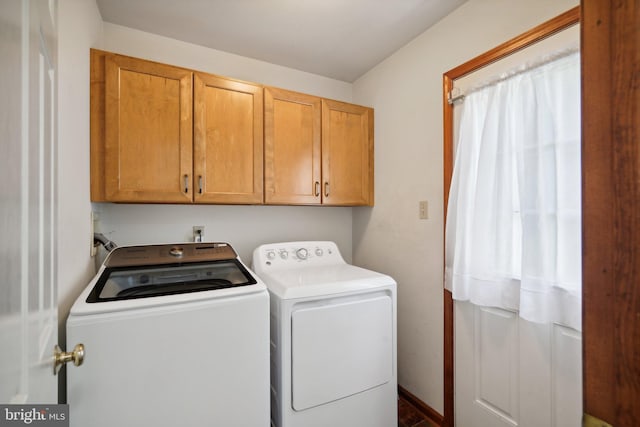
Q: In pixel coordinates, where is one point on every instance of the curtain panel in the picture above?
(513, 231)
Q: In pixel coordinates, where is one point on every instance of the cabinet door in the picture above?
(228, 141)
(292, 147)
(347, 154)
(148, 131)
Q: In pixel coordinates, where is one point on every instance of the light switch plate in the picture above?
(423, 207)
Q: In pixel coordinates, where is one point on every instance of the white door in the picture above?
(511, 372)
(28, 307)
(508, 371)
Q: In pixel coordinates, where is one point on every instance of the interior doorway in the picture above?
(476, 317)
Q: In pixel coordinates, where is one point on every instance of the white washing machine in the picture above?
(333, 338)
(174, 335)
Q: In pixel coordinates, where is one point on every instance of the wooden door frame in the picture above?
(546, 29)
(611, 211)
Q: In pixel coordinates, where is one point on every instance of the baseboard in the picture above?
(426, 410)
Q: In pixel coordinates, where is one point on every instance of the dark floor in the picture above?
(409, 416)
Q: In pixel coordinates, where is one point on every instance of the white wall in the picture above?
(140, 44)
(245, 227)
(406, 92)
(80, 27)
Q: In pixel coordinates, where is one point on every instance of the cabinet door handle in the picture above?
(186, 183)
(200, 184)
(326, 189)
(317, 188)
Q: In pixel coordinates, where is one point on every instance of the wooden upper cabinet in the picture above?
(292, 142)
(228, 141)
(147, 131)
(317, 151)
(165, 134)
(347, 154)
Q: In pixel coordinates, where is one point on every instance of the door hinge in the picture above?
(591, 421)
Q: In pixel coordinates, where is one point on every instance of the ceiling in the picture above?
(340, 39)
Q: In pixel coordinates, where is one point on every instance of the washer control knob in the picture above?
(176, 251)
(284, 254)
(302, 253)
(319, 252)
(271, 255)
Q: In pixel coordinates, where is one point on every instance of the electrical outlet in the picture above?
(198, 233)
(423, 209)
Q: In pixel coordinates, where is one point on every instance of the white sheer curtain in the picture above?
(514, 218)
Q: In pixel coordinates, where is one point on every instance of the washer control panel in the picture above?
(127, 256)
(293, 254)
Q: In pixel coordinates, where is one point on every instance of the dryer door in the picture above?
(340, 347)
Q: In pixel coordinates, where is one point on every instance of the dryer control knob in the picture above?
(319, 252)
(271, 255)
(284, 254)
(302, 253)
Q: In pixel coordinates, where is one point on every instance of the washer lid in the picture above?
(120, 283)
(322, 280)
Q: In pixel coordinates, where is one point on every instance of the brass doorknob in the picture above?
(61, 357)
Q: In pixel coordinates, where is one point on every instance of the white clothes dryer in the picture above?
(174, 335)
(333, 338)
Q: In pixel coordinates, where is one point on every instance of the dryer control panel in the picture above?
(289, 255)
